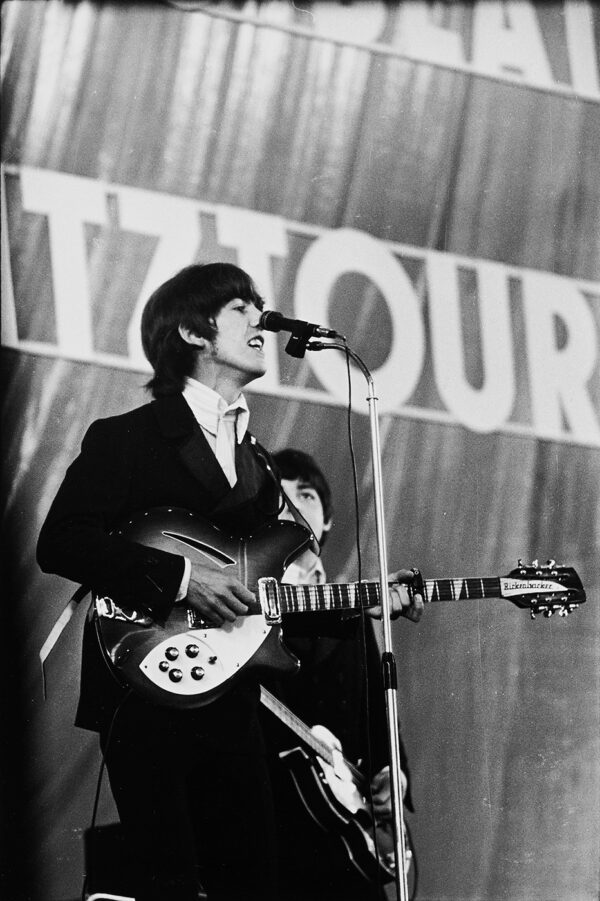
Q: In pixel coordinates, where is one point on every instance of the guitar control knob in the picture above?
(197, 673)
(171, 653)
(212, 658)
(175, 675)
(192, 650)
(163, 666)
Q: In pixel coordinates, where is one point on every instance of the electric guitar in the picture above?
(186, 662)
(332, 790)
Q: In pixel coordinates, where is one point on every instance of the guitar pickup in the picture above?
(268, 595)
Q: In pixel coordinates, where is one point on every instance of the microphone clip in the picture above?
(301, 334)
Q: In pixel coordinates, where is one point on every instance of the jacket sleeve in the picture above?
(77, 539)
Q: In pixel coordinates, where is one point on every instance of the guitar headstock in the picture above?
(543, 588)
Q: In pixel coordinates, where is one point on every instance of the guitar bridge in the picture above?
(268, 595)
(195, 620)
(106, 608)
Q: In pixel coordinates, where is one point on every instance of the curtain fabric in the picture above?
(499, 713)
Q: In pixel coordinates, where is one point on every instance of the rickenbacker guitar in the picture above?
(187, 663)
(332, 790)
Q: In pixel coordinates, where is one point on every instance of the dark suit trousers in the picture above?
(190, 811)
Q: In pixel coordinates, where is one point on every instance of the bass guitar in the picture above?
(332, 791)
(186, 662)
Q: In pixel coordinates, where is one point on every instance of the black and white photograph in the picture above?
(300, 355)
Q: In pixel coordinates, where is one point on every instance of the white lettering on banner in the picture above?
(507, 40)
(559, 372)
(347, 250)
(558, 376)
(175, 221)
(365, 23)
(68, 201)
(421, 37)
(516, 47)
(487, 408)
(583, 59)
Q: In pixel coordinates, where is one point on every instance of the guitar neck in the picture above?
(356, 595)
(285, 715)
(299, 728)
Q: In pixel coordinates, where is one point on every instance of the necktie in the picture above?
(225, 444)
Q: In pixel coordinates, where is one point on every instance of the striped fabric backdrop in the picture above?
(198, 130)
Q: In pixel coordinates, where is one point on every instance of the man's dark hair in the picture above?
(296, 464)
(192, 298)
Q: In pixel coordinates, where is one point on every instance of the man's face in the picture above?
(239, 341)
(306, 498)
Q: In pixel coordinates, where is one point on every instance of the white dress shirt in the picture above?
(223, 426)
(307, 570)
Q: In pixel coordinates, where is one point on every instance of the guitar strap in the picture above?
(271, 468)
(58, 628)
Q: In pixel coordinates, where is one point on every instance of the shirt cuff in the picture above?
(185, 582)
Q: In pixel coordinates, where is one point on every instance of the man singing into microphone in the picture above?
(191, 786)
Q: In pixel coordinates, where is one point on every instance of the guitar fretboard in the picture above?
(302, 730)
(330, 596)
(355, 595)
(460, 589)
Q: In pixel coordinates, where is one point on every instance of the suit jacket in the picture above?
(155, 455)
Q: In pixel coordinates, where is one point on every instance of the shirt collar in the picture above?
(209, 408)
(307, 570)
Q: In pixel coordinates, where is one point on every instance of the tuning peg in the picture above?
(548, 612)
(551, 563)
(519, 562)
(563, 611)
(535, 563)
(532, 613)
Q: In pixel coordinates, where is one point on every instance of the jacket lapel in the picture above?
(178, 425)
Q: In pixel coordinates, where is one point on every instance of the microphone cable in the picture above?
(104, 753)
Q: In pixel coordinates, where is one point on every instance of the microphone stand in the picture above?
(297, 345)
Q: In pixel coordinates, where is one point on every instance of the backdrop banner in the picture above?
(424, 179)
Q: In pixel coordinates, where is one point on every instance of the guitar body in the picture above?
(185, 662)
(348, 820)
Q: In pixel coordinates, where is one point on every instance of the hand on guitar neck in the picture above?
(403, 602)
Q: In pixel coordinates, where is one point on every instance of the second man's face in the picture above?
(308, 502)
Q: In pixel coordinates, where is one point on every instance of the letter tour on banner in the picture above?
(551, 358)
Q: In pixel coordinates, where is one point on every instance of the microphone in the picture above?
(272, 321)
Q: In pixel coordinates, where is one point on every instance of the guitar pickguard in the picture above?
(200, 661)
